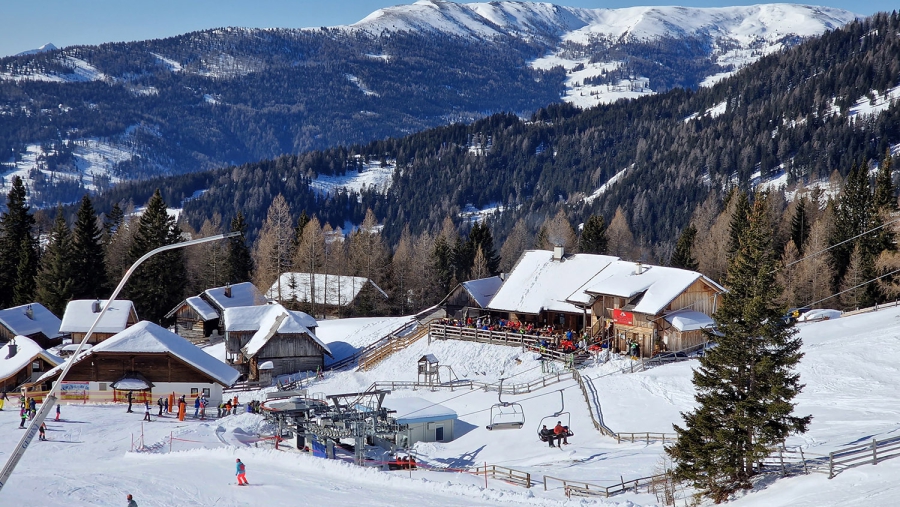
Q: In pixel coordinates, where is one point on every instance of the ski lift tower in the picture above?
(428, 370)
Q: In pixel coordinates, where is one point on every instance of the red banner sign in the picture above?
(623, 317)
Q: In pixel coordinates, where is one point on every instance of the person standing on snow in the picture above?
(159, 402)
(130, 398)
(196, 406)
(147, 411)
(131, 502)
(43, 431)
(57, 411)
(241, 473)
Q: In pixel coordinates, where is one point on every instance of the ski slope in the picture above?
(850, 370)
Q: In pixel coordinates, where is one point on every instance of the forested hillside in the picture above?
(85, 118)
(795, 112)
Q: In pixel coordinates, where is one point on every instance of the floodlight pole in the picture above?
(50, 399)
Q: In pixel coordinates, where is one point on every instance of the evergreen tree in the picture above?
(113, 220)
(239, 264)
(55, 279)
(746, 385)
(800, 225)
(683, 257)
(302, 220)
(854, 214)
(593, 236)
(158, 284)
(442, 265)
(480, 238)
(16, 240)
(87, 254)
(885, 195)
(739, 220)
(26, 273)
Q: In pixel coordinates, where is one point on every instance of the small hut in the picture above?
(81, 313)
(33, 320)
(428, 370)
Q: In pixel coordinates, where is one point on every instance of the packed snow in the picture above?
(849, 369)
(372, 176)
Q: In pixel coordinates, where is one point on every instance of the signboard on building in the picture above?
(622, 317)
(73, 390)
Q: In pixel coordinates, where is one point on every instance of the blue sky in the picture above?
(28, 24)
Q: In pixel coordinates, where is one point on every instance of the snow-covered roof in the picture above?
(483, 290)
(26, 351)
(148, 338)
(418, 410)
(242, 294)
(261, 319)
(690, 320)
(538, 283)
(203, 309)
(80, 315)
(131, 384)
(335, 290)
(42, 320)
(659, 285)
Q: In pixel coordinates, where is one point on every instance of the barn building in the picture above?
(471, 298)
(22, 360)
(33, 320)
(148, 360)
(81, 313)
(199, 318)
(285, 339)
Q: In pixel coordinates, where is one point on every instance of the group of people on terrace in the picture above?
(548, 336)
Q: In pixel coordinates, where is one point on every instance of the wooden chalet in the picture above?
(328, 294)
(285, 339)
(199, 318)
(471, 298)
(146, 359)
(81, 313)
(659, 308)
(537, 289)
(22, 360)
(33, 320)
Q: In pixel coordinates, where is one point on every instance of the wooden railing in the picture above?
(369, 349)
(510, 475)
(445, 332)
(375, 356)
(857, 455)
(646, 436)
(581, 488)
(597, 420)
(534, 385)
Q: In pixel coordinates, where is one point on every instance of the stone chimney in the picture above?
(95, 306)
(13, 348)
(29, 312)
(558, 252)
(228, 290)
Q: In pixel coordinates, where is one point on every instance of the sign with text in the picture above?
(73, 390)
(623, 317)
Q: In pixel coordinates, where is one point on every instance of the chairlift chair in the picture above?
(506, 415)
(562, 415)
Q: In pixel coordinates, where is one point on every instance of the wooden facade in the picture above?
(289, 353)
(191, 326)
(157, 367)
(614, 320)
(37, 365)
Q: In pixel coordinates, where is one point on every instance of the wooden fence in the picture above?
(510, 475)
(864, 454)
(646, 436)
(581, 488)
(529, 387)
(445, 332)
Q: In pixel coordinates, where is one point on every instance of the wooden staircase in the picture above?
(379, 354)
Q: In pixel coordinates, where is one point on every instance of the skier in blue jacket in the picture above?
(241, 473)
